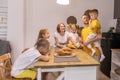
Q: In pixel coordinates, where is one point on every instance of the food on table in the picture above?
(70, 45)
(64, 51)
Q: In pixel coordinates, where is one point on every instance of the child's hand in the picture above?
(77, 45)
(85, 44)
(80, 41)
(44, 57)
(47, 55)
(90, 21)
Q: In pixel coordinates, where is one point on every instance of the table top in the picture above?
(85, 60)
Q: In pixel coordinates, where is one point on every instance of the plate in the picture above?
(72, 54)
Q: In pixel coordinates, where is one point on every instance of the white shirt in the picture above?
(74, 36)
(62, 39)
(25, 60)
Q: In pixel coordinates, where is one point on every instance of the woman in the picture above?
(61, 36)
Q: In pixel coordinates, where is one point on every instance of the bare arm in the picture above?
(70, 38)
(44, 57)
(90, 24)
(57, 43)
(25, 50)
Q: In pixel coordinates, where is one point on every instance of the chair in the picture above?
(5, 68)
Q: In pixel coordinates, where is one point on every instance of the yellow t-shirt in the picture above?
(84, 33)
(96, 26)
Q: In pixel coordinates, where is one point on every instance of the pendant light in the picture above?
(63, 2)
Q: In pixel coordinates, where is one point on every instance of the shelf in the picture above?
(114, 76)
(114, 51)
(116, 62)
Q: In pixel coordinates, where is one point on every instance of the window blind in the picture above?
(3, 19)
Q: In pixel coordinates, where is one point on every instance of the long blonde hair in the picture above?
(41, 33)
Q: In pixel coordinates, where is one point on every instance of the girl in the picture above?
(74, 38)
(43, 33)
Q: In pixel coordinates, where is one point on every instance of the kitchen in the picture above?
(26, 17)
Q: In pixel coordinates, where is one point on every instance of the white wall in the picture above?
(27, 17)
(46, 13)
(16, 26)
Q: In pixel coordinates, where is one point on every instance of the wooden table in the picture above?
(84, 70)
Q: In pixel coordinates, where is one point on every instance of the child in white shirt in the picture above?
(24, 64)
(74, 38)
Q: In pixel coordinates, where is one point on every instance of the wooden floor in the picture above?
(101, 76)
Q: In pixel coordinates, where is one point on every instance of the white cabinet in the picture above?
(115, 64)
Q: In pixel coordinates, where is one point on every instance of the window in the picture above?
(3, 19)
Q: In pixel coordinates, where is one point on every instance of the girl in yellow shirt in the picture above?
(95, 26)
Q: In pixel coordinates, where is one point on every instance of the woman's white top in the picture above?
(25, 60)
(62, 39)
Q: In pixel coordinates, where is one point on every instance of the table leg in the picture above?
(61, 76)
(39, 77)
